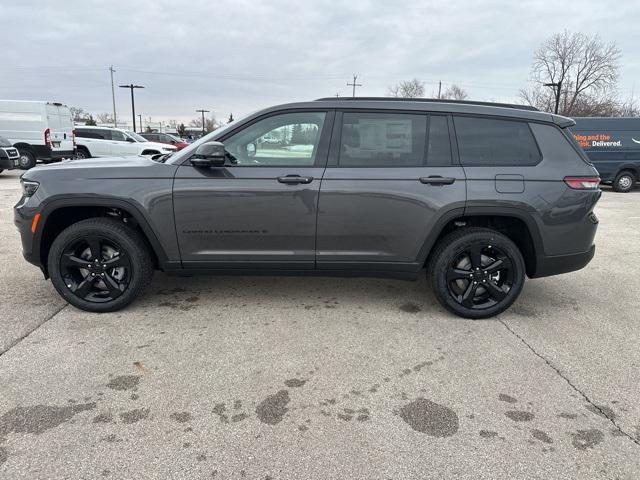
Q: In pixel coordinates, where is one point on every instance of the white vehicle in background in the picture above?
(39, 130)
(110, 142)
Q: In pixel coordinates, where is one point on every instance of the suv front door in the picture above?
(389, 178)
(260, 209)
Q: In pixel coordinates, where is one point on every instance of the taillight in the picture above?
(73, 135)
(582, 183)
(47, 137)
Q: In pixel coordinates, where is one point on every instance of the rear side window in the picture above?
(490, 142)
(382, 140)
(97, 134)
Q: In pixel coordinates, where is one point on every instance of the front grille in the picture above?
(12, 152)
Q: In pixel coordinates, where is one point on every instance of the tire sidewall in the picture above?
(456, 248)
(76, 232)
(619, 188)
(82, 153)
(26, 164)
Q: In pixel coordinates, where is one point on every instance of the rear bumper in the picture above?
(557, 264)
(44, 152)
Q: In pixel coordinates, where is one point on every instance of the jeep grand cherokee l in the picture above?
(479, 195)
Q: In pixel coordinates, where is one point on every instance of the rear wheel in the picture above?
(624, 182)
(476, 272)
(27, 159)
(82, 152)
(99, 264)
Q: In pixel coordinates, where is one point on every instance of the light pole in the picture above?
(557, 88)
(202, 112)
(133, 103)
(140, 118)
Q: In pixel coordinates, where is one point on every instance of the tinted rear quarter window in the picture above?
(494, 142)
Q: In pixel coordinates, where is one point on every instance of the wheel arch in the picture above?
(516, 224)
(630, 167)
(62, 213)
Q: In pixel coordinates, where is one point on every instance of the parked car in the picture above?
(39, 130)
(9, 156)
(165, 138)
(110, 142)
(613, 146)
(481, 195)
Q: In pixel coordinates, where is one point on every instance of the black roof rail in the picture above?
(431, 100)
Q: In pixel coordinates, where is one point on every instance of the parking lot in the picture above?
(278, 378)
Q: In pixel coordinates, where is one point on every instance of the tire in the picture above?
(624, 181)
(27, 159)
(82, 152)
(107, 289)
(471, 255)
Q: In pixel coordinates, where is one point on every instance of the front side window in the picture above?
(382, 140)
(491, 142)
(118, 136)
(289, 139)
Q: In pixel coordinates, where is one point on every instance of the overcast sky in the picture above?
(239, 56)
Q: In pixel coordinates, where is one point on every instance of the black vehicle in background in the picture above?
(613, 146)
(9, 155)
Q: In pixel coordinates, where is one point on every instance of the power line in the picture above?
(203, 112)
(354, 84)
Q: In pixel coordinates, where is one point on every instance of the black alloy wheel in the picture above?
(480, 277)
(95, 269)
(100, 264)
(476, 272)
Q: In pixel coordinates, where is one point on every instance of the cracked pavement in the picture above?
(282, 378)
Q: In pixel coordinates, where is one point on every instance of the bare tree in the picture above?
(575, 74)
(78, 114)
(105, 118)
(210, 123)
(454, 92)
(407, 89)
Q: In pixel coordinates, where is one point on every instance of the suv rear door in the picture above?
(389, 178)
(260, 209)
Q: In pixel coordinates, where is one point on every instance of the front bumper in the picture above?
(557, 264)
(23, 219)
(8, 163)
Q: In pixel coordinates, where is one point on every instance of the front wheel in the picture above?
(99, 264)
(27, 160)
(476, 272)
(624, 182)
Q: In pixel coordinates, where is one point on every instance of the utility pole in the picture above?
(354, 84)
(133, 103)
(113, 97)
(202, 112)
(557, 89)
(439, 89)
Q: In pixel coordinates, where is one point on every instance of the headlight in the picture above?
(29, 187)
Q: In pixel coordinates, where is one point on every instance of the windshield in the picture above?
(174, 138)
(4, 142)
(136, 137)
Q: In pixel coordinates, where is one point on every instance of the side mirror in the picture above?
(210, 154)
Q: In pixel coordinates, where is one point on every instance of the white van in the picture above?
(39, 130)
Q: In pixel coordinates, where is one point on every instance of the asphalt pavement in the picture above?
(304, 378)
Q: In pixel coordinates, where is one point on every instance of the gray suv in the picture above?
(481, 195)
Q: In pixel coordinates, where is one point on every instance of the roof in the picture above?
(432, 100)
(430, 105)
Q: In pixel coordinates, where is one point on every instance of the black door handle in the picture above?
(437, 180)
(295, 179)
